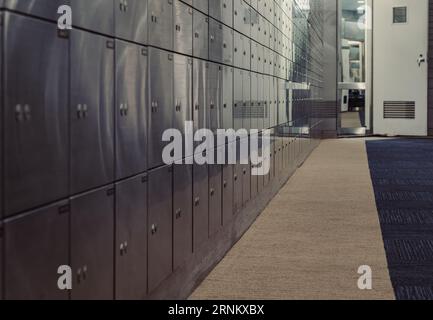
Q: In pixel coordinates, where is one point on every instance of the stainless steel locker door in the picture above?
(182, 111)
(228, 38)
(238, 50)
(227, 98)
(161, 102)
(160, 23)
(238, 15)
(95, 15)
(131, 109)
(255, 20)
(41, 8)
(260, 59)
(202, 5)
(237, 188)
(36, 245)
(267, 98)
(200, 35)
(238, 110)
(131, 239)
(160, 226)
(246, 184)
(282, 96)
(215, 198)
(214, 86)
(92, 111)
(200, 205)
(227, 193)
(246, 58)
(246, 100)
(35, 116)
(261, 102)
(92, 239)
(216, 49)
(254, 56)
(254, 105)
(200, 71)
(182, 28)
(131, 20)
(182, 214)
(222, 10)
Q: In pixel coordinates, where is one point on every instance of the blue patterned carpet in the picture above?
(402, 174)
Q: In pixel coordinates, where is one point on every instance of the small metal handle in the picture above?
(196, 201)
(178, 214)
(420, 60)
(154, 229)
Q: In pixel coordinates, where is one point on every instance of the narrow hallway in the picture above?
(312, 238)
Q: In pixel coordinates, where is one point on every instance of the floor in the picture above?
(351, 120)
(312, 238)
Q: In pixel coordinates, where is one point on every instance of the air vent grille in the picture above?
(399, 109)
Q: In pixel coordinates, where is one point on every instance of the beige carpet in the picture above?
(311, 239)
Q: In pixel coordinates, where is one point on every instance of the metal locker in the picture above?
(202, 5)
(92, 238)
(254, 105)
(182, 214)
(272, 103)
(200, 71)
(275, 104)
(160, 19)
(254, 183)
(200, 35)
(238, 108)
(260, 178)
(160, 226)
(267, 102)
(131, 109)
(92, 111)
(216, 49)
(237, 188)
(200, 205)
(131, 239)
(36, 245)
(270, 62)
(246, 183)
(131, 20)
(161, 102)
(246, 60)
(227, 193)
(227, 98)
(35, 120)
(182, 111)
(282, 108)
(238, 15)
(246, 100)
(40, 8)
(222, 10)
(182, 28)
(246, 25)
(255, 22)
(214, 96)
(260, 58)
(215, 198)
(95, 15)
(261, 101)
(238, 50)
(254, 56)
(228, 38)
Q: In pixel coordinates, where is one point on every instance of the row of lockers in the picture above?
(156, 222)
(109, 134)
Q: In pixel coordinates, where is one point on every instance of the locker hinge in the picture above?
(63, 34)
(64, 209)
(110, 192)
(144, 178)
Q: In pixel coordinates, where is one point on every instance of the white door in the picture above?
(400, 33)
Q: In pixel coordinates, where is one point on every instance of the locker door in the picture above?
(200, 70)
(182, 214)
(215, 41)
(182, 28)
(260, 178)
(267, 102)
(246, 98)
(261, 101)
(238, 100)
(246, 183)
(254, 25)
(131, 20)
(161, 102)
(34, 121)
(254, 101)
(237, 188)
(254, 56)
(160, 226)
(227, 102)
(200, 205)
(36, 244)
(282, 108)
(238, 50)
(227, 45)
(222, 10)
(131, 239)
(214, 85)
(40, 8)
(92, 238)
(202, 5)
(160, 17)
(215, 198)
(246, 19)
(227, 193)
(95, 15)
(200, 35)
(92, 118)
(238, 15)
(260, 59)
(182, 93)
(131, 107)
(246, 59)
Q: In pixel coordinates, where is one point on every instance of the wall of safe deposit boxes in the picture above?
(82, 116)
